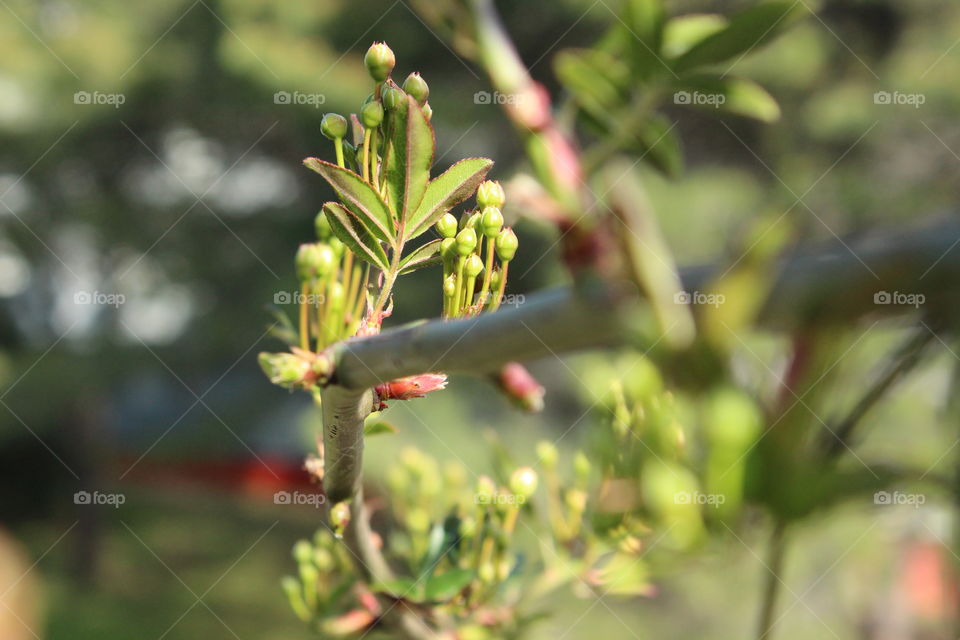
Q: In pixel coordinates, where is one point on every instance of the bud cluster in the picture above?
(476, 253)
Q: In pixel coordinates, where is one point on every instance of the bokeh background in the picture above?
(151, 197)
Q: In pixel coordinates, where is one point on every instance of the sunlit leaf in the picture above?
(447, 190)
(447, 585)
(409, 158)
(425, 256)
(682, 32)
(359, 197)
(597, 80)
(730, 94)
(353, 234)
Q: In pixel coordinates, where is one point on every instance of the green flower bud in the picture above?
(302, 551)
(491, 221)
(339, 517)
(447, 226)
(416, 86)
(448, 252)
(334, 126)
(495, 279)
(322, 226)
(380, 61)
(506, 244)
(474, 266)
(523, 482)
(314, 261)
(392, 97)
(284, 369)
(450, 286)
(427, 111)
(371, 114)
(581, 468)
(466, 241)
(547, 454)
(337, 245)
(468, 527)
(486, 489)
(323, 559)
(490, 194)
(576, 500)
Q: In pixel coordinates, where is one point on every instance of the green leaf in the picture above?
(409, 157)
(747, 30)
(730, 94)
(659, 145)
(446, 191)
(447, 585)
(353, 234)
(597, 80)
(425, 256)
(376, 427)
(359, 197)
(681, 33)
(401, 588)
(643, 20)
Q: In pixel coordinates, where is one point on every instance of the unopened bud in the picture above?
(506, 244)
(427, 111)
(547, 454)
(447, 225)
(334, 126)
(339, 517)
(491, 221)
(416, 86)
(466, 241)
(474, 266)
(490, 194)
(523, 482)
(392, 97)
(302, 552)
(284, 369)
(314, 260)
(322, 226)
(371, 114)
(450, 286)
(380, 61)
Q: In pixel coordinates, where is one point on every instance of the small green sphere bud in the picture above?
(334, 126)
(314, 261)
(447, 225)
(495, 279)
(337, 245)
(392, 97)
(416, 86)
(468, 527)
(474, 266)
(506, 244)
(523, 482)
(340, 517)
(302, 552)
(427, 112)
(486, 489)
(450, 286)
(322, 226)
(380, 61)
(448, 252)
(547, 454)
(491, 221)
(323, 559)
(490, 194)
(371, 114)
(466, 241)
